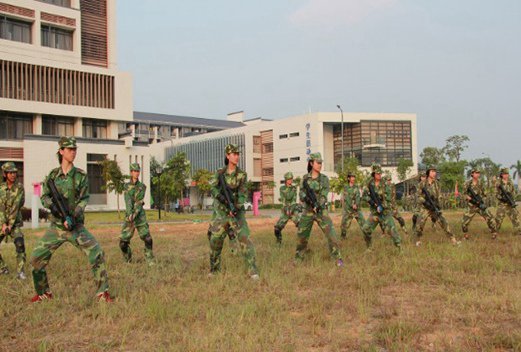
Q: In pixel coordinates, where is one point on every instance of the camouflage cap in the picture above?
(350, 174)
(135, 167)
(315, 157)
(231, 148)
(376, 168)
(9, 167)
(67, 142)
(288, 175)
(475, 170)
(504, 171)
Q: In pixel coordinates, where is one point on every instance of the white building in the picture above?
(59, 76)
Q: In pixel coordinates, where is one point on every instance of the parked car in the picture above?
(248, 206)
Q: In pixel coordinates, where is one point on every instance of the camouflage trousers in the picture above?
(347, 219)
(415, 215)
(485, 214)
(396, 214)
(18, 239)
(285, 216)
(506, 210)
(127, 232)
(326, 225)
(385, 220)
(80, 238)
(425, 215)
(219, 228)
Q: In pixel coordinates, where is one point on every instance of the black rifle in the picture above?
(476, 199)
(226, 193)
(311, 197)
(431, 204)
(506, 197)
(59, 206)
(374, 199)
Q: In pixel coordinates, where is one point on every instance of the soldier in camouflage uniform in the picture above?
(290, 207)
(432, 186)
(72, 184)
(504, 207)
(379, 215)
(479, 189)
(12, 198)
(394, 205)
(319, 186)
(416, 206)
(351, 209)
(135, 217)
(223, 218)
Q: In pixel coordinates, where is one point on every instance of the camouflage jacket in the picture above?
(75, 189)
(236, 181)
(288, 196)
(320, 186)
(479, 189)
(351, 197)
(391, 195)
(509, 187)
(11, 203)
(134, 198)
(433, 189)
(383, 192)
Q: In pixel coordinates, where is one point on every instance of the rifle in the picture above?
(431, 204)
(311, 197)
(227, 195)
(374, 199)
(506, 197)
(59, 206)
(476, 199)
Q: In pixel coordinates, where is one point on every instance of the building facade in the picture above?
(59, 77)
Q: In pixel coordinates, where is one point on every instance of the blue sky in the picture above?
(457, 64)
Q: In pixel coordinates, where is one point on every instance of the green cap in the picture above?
(9, 167)
(475, 170)
(288, 175)
(315, 157)
(376, 168)
(135, 167)
(504, 171)
(231, 148)
(67, 142)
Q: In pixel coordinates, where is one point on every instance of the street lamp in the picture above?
(342, 133)
(159, 171)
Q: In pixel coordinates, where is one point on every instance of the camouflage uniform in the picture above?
(351, 198)
(320, 186)
(11, 202)
(135, 219)
(394, 206)
(74, 188)
(385, 217)
(472, 210)
(290, 208)
(424, 214)
(504, 208)
(222, 220)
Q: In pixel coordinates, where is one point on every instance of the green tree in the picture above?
(404, 166)
(455, 145)
(432, 156)
(175, 174)
(452, 173)
(113, 178)
(517, 173)
(202, 179)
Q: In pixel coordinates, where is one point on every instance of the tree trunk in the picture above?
(117, 198)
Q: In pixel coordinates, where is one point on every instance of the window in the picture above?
(15, 30)
(64, 3)
(283, 136)
(284, 160)
(267, 148)
(57, 126)
(57, 38)
(15, 126)
(94, 128)
(294, 134)
(267, 172)
(295, 158)
(95, 178)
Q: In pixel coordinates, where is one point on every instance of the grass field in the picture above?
(433, 298)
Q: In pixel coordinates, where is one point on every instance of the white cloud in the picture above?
(332, 13)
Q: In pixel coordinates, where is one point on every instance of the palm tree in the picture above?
(517, 173)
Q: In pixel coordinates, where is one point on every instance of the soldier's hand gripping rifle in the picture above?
(476, 199)
(226, 196)
(311, 198)
(431, 204)
(506, 197)
(59, 206)
(374, 199)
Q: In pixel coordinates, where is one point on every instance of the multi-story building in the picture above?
(270, 148)
(59, 76)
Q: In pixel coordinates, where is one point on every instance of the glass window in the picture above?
(15, 126)
(295, 158)
(64, 3)
(57, 38)
(15, 30)
(57, 126)
(294, 134)
(284, 160)
(94, 128)
(283, 136)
